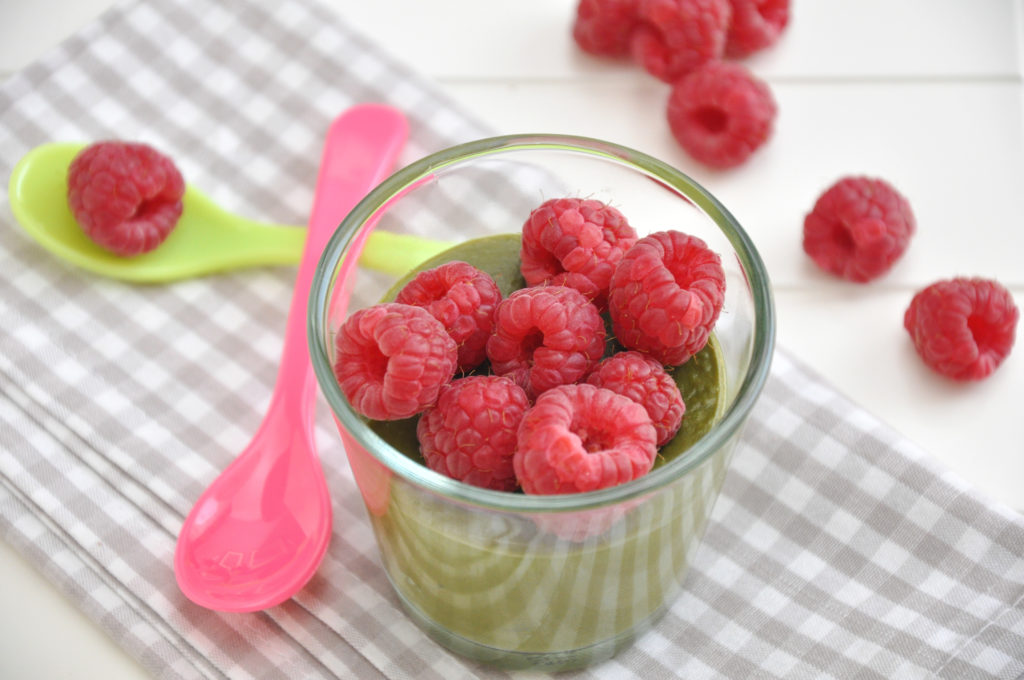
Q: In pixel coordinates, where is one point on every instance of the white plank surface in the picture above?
(925, 93)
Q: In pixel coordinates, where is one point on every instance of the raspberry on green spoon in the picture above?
(206, 239)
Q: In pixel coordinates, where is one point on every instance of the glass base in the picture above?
(506, 659)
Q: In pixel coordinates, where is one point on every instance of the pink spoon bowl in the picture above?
(260, 530)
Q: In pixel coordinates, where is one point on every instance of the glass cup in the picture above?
(526, 581)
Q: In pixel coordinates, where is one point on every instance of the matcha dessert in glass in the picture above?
(540, 418)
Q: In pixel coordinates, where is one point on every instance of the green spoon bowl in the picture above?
(206, 240)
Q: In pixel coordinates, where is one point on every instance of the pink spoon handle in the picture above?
(260, 530)
(360, 150)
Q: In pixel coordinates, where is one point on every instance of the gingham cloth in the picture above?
(837, 549)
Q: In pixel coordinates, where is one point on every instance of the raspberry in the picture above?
(392, 360)
(545, 336)
(721, 113)
(582, 438)
(673, 37)
(604, 27)
(963, 327)
(470, 434)
(576, 243)
(665, 296)
(646, 382)
(125, 196)
(858, 228)
(461, 297)
(755, 25)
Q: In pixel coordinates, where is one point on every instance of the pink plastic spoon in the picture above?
(259, 531)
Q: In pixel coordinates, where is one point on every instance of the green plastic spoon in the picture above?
(207, 238)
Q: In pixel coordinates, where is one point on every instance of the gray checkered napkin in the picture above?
(837, 549)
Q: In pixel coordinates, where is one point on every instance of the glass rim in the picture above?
(422, 476)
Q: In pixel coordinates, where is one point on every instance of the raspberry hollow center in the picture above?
(531, 341)
(685, 272)
(375, 363)
(547, 261)
(146, 210)
(711, 118)
(682, 275)
(982, 332)
(593, 440)
(842, 239)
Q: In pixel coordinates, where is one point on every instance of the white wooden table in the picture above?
(924, 93)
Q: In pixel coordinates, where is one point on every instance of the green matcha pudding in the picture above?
(521, 583)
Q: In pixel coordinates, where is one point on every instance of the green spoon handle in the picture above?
(385, 251)
(398, 254)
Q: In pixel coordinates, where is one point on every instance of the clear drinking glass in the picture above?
(515, 580)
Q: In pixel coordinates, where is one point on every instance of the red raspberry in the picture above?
(665, 296)
(582, 438)
(858, 228)
(576, 243)
(391, 360)
(962, 327)
(646, 382)
(470, 434)
(673, 37)
(461, 297)
(755, 25)
(125, 196)
(721, 113)
(546, 336)
(604, 27)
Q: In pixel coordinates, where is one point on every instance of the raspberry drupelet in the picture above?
(126, 196)
(666, 295)
(470, 433)
(579, 438)
(858, 228)
(391, 360)
(545, 336)
(464, 299)
(577, 243)
(721, 113)
(963, 328)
